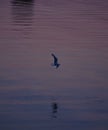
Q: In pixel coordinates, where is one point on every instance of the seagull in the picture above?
(56, 64)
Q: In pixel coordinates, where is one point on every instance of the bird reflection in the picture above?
(54, 109)
(22, 11)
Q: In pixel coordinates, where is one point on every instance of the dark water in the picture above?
(77, 32)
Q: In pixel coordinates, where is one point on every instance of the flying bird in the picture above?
(56, 64)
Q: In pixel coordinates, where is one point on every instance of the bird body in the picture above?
(56, 64)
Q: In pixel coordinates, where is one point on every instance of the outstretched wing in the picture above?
(55, 59)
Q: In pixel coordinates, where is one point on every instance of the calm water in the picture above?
(77, 32)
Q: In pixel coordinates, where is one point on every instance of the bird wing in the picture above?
(55, 58)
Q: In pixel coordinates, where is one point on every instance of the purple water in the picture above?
(77, 32)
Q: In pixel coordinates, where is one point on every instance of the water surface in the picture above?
(77, 32)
